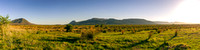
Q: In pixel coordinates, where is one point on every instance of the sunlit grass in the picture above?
(36, 38)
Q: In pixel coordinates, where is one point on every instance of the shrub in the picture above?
(47, 31)
(97, 25)
(176, 33)
(159, 31)
(88, 34)
(38, 32)
(122, 31)
(104, 31)
(133, 31)
(150, 35)
(102, 25)
(69, 28)
(106, 27)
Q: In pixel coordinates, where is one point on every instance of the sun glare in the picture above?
(187, 11)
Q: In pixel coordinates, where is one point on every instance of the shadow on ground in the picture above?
(63, 39)
(135, 44)
(161, 47)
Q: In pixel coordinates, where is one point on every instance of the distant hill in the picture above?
(20, 21)
(94, 21)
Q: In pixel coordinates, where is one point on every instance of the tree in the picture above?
(69, 28)
(4, 22)
(176, 33)
(102, 25)
(97, 25)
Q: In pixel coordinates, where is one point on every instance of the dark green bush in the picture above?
(104, 31)
(38, 32)
(97, 25)
(69, 28)
(88, 35)
(176, 33)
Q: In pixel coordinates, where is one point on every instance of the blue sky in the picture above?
(64, 11)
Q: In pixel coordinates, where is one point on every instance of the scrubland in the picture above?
(89, 37)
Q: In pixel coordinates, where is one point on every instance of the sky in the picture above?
(64, 11)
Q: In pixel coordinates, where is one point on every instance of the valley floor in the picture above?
(16, 38)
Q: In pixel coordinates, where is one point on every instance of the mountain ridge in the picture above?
(111, 21)
(21, 21)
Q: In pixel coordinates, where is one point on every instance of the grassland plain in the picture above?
(51, 37)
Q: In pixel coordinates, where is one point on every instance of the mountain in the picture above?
(20, 21)
(93, 21)
(111, 21)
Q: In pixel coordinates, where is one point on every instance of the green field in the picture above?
(143, 37)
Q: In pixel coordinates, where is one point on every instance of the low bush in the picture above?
(88, 34)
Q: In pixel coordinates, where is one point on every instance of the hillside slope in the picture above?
(20, 21)
(94, 21)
